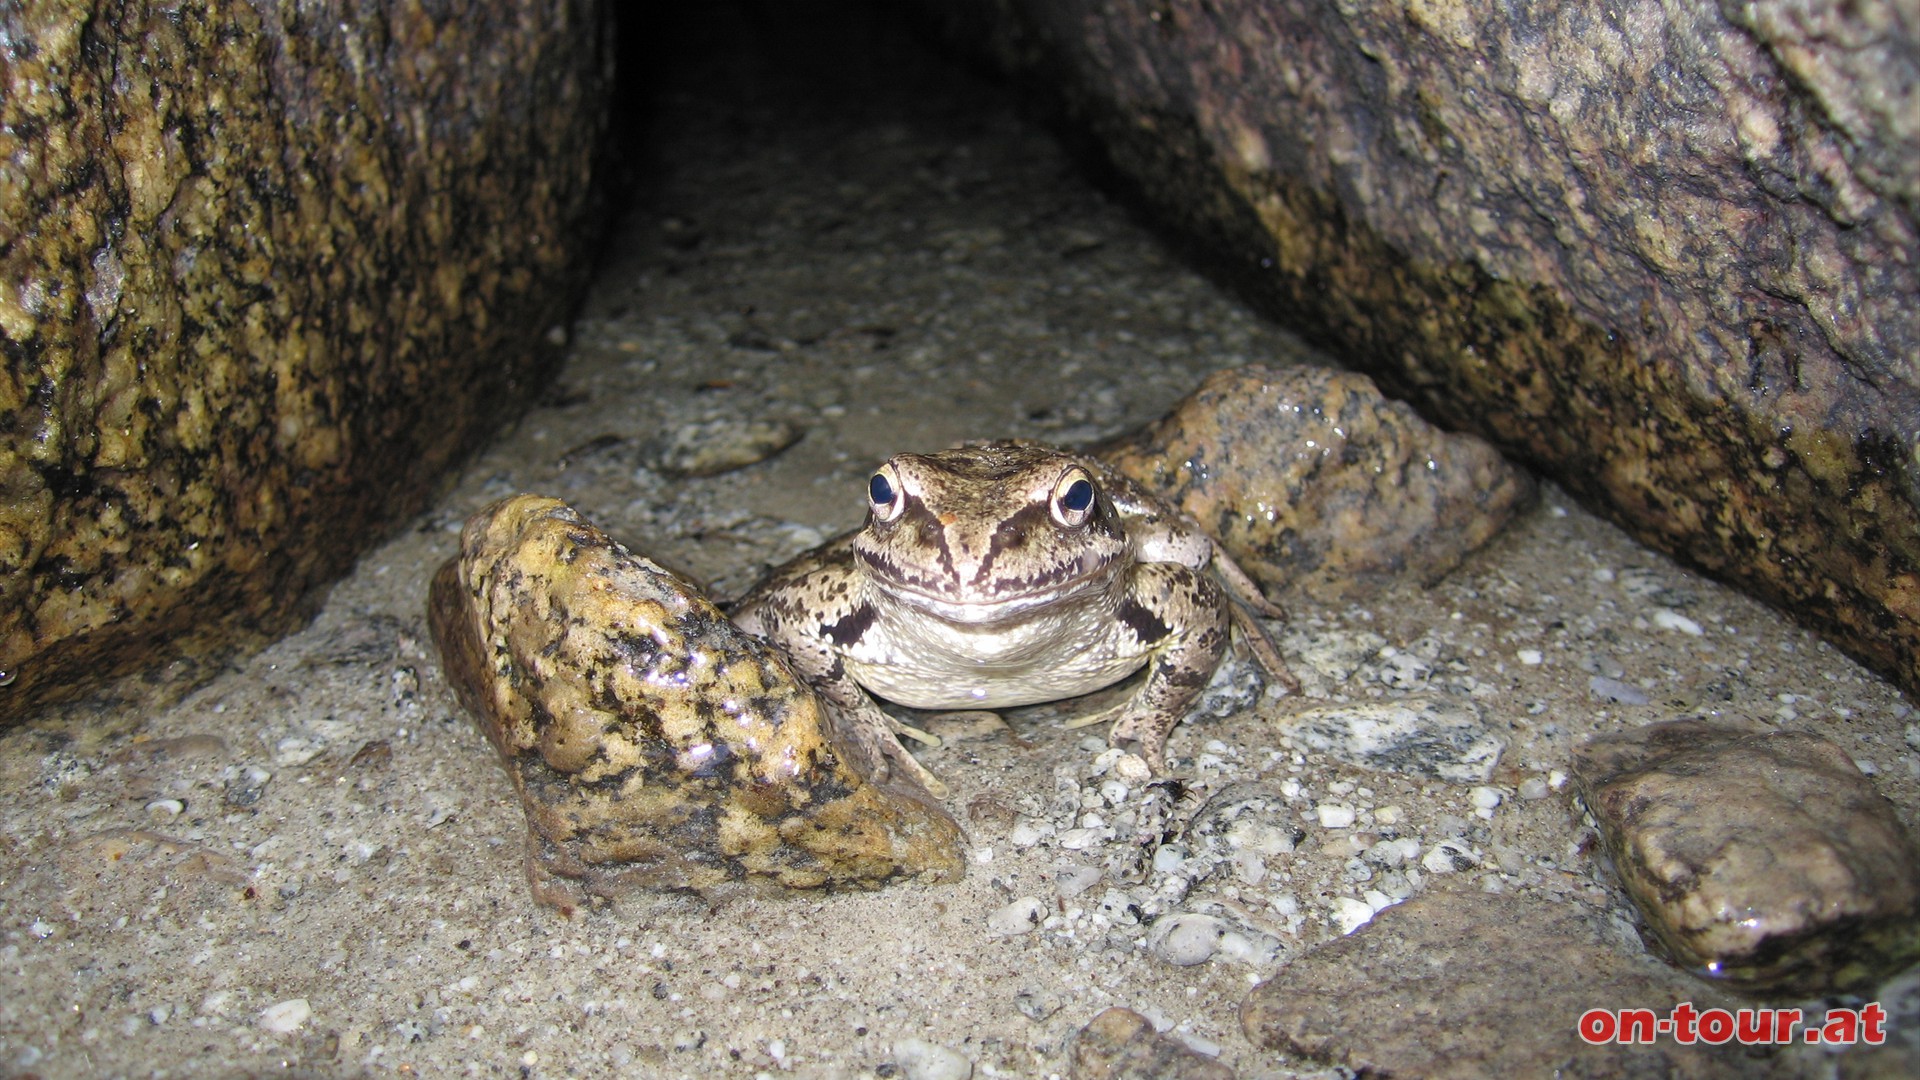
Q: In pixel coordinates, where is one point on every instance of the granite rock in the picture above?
(271, 268)
(653, 745)
(1460, 983)
(1312, 479)
(1758, 856)
(1664, 253)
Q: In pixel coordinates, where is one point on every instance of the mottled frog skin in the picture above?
(1007, 574)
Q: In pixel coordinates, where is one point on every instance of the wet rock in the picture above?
(1461, 983)
(1120, 1044)
(1759, 856)
(1312, 479)
(270, 268)
(1440, 737)
(711, 447)
(652, 744)
(1478, 204)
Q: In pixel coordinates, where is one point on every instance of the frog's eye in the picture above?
(1073, 497)
(883, 494)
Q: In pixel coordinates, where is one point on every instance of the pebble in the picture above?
(1667, 619)
(286, 1016)
(1120, 1044)
(1530, 657)
(1133, 769)
(1607, 688)
(1758, 856)
(919, 1059)
(711, 447)
(1534, 788)
(1351, 914)
(1026, 833)
(1421, 735)
(1187, 939)
(1335, 815)
(1448, 857)
(1018, 917)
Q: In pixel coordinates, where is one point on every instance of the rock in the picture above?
(652, 744)
(1120, 1044)
(711, 447)
(1439, 737)
(919, 1059)
(286, 1016)
(1758, 856)
(1017, 918)
(271, 268)
(1461, 983)
(1666, 254)
(1311, 478)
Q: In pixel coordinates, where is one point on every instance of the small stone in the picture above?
(1025, 834)
(1484, 798)
(1018, 917)
(1534, 788)
(1758, 856)
(1667, 619)
(1448, 857)
(1530, 657)
(711, 447)
(1335, 815)
(1169, 858)
(919, 1059)
(1133, 769)
(1079, 839)
(1071, 879)
(1120, 1044)
(1187, 939)
(1610, 689)
(286, 1016)
(1351, 914)
(1422, 735)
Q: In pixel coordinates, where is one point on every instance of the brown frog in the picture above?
(1006, 574)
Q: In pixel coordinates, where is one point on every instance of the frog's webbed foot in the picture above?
(874, 735)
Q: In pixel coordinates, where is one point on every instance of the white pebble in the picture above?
(1351, 914)
(1132, 768)
(1335, 815)
(1484, 798)
(1557, 779)
(1190, 939)
(1530, 657)
(169, 807)
(289, 1015)
(1072, 879)
(1534, 788)
(919, 1059)
(1447, 857)
(1079, 839)
(1168, 859)
(1018, 917)
(1666, 619)
(1025, 834)
(1387, 815)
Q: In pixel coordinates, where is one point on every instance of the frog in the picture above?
(1009, 573)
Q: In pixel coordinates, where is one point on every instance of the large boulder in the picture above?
(268, 269)
(1666, 253)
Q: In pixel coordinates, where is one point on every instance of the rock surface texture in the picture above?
(1758, 856)
(1665, 253)
(1313, 480)
(270, 267)
(653, 745)
(1497, 988)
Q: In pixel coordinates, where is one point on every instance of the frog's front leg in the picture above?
(1178, 614)
(805, 639)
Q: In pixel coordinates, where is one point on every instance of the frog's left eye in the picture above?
(883, 494)
(1073, 497)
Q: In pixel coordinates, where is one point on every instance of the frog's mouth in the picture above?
(950, 602)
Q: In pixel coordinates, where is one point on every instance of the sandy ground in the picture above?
(314, 862)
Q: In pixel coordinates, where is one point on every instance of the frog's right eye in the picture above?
(883, 494)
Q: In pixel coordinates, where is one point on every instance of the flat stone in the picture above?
(1758, 856)
(1120, 1044)
(653, 745)
(1461, 983)
(1439, 737)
